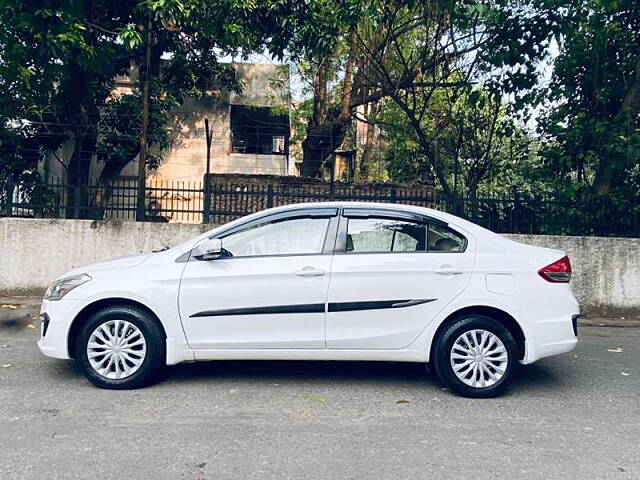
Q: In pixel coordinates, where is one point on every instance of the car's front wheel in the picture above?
(120, 347)
(476, 356)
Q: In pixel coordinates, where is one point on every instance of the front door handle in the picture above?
(310, 272)
(448, 271)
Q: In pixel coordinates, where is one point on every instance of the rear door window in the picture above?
(443, 239)
(382, 235)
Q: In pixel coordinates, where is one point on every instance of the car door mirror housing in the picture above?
(208, 249)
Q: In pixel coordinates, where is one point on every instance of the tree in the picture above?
(460, 58)
(59, 61)
(410, 51)
(592, 123)
(324, 49)
(475, 141)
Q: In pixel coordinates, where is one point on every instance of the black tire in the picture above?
(445, 343)
(154, 358)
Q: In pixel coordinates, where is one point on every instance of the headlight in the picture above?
(60, 288)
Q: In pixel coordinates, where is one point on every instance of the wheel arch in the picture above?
(93, 307)
(506, 319)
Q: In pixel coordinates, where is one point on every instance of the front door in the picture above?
(391, 277)
(268, 290)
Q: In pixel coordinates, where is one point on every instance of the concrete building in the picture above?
(250, 131)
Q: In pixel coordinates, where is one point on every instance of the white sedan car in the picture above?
(328, 281)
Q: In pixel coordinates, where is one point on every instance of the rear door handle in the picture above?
(310, 272)
(448, 271)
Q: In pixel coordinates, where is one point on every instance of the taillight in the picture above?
(557, 272)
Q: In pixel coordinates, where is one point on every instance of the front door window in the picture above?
(296, 236)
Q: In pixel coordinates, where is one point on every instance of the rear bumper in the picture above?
(551, 337)
(574, 321)
(534, 351)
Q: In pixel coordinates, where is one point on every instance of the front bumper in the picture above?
(56, 317)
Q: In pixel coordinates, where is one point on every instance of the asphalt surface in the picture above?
(574, 416)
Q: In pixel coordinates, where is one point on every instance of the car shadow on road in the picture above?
(539, 377)
(304, 371)
(401, 374)
(13, 323)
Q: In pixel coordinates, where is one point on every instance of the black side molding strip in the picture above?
(304, 308)
(377, 305)
(314, 308)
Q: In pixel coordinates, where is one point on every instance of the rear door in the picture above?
(391, 274)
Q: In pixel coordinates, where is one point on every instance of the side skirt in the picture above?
(404, 355)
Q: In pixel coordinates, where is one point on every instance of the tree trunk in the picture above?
(104, 190)
(370, 133)
(313, 157)
(428, 149)
(320, 94)
(610, 171)
(319, 145)
(347, 89)
(112, 170)
(326, 130)
(84, 112)
(78, 201)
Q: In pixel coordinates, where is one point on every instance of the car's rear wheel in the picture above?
(476, 356)
(120, 347)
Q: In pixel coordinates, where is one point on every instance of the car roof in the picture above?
(391, 207)
(399, 207)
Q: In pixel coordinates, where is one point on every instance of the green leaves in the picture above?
(592, 125)
(59, 61)
(131, 35)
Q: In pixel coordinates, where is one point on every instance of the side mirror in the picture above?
(208, 249)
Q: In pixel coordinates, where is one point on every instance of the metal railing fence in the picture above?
(193, 202)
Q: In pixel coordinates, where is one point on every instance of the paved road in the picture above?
(574, 416)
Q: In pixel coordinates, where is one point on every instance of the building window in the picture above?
(259, 130)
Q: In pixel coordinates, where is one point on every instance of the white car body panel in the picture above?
(252, 283)
(399, 276)
(496, 273)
